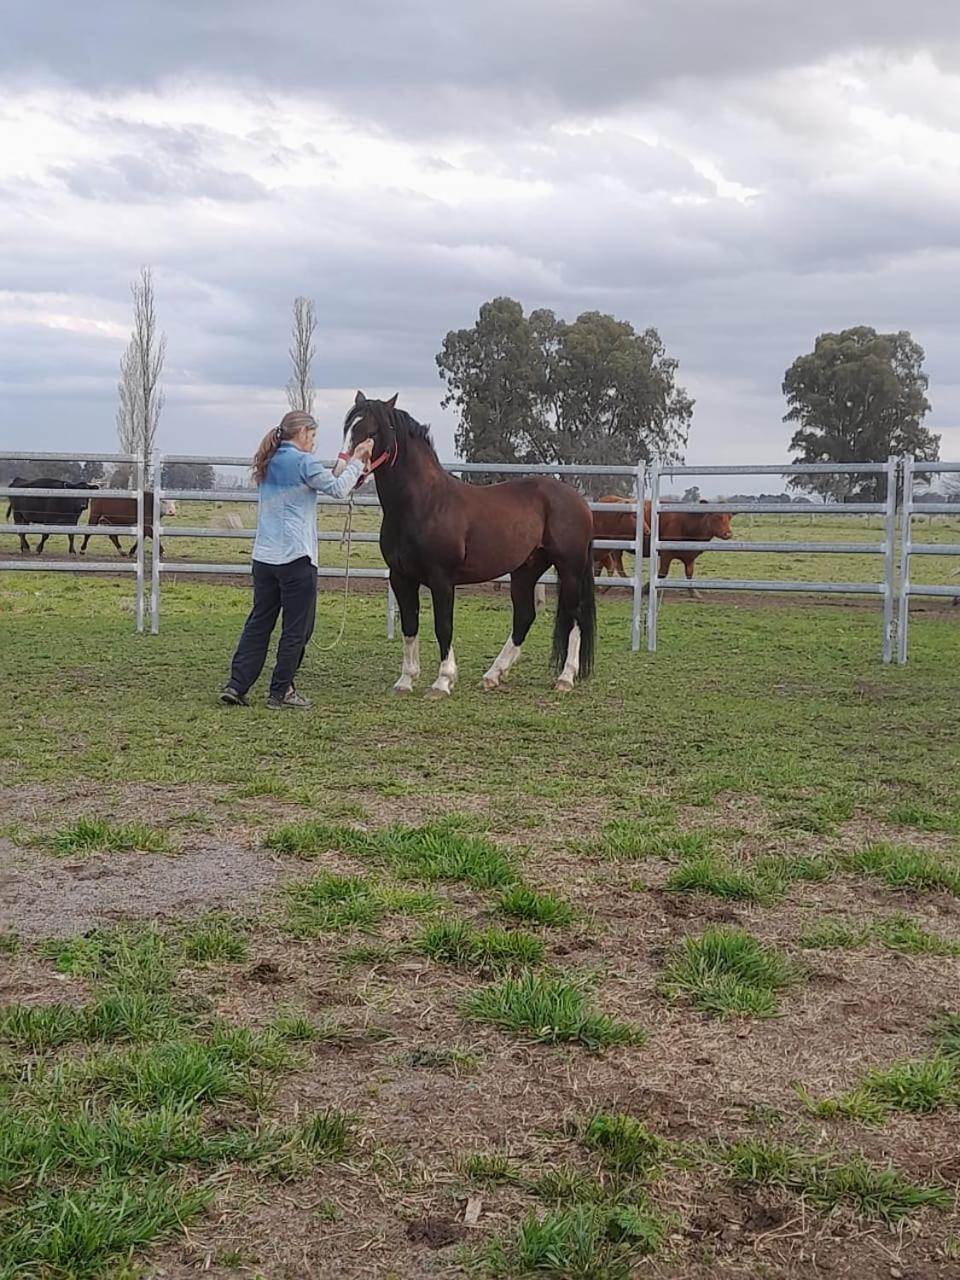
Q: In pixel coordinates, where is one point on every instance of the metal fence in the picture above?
(76, 564)
(887, 509)
(910, 508)
(162, 566)
(886, 589)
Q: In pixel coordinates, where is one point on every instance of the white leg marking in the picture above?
(572, 665)
(446, 678)
(411, 664)
(504, 660)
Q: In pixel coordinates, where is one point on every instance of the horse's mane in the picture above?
(403, 426)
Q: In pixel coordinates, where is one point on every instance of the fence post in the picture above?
(654, 539)
(638, 483)
(157, 465)
(906, 534)
(141, 483)
(889, 569)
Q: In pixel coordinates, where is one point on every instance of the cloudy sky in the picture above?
(741, 174)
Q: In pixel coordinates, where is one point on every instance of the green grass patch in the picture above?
(898, 932)
(624, 1144)
(439, 850)
(142, 959)
(9, 944)
(454, 942)
(654, 837)
(903, 867)
(920, 1085)
(720, 879)
(94, 835)
(489, 1168)
(829, 1182)
(583, 1242)
(329, 903)
(549, 1010)
(215, 937)
(924, 818)
(537, 908)
(727, 972)
(821, 816)
(948, 1035)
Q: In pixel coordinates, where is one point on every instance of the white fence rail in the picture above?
(910, 508)
(886, 589)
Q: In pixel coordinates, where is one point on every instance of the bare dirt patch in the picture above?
(43, 896)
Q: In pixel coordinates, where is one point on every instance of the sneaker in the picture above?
(292, 700)
(231, 697)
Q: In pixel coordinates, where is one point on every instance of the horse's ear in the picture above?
(360, 399)
(392, 402)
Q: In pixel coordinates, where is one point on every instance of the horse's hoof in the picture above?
(489, 684)
(434, 694)
(403, 688)
(564, 686)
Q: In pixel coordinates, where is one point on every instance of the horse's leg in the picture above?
(566, 614)
(442, 591)
(407, 593)
(575, 625)
(42, 544)
(116, 542)
(523, 587)
(24, 544)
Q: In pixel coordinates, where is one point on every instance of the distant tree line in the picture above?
(536, 389)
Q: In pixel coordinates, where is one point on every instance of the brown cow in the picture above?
(685, 526)
(617, 526)
(120, 511)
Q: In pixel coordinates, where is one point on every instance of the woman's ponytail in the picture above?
(291, 424)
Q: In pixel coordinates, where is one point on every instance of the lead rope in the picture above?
(346, 539)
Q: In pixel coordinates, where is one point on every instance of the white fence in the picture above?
(77, 564)
(886, 589)
(910, 508)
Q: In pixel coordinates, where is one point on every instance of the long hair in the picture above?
(290, 424)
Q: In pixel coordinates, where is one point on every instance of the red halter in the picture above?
(377, 462)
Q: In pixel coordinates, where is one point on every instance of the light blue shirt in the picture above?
(287, 504)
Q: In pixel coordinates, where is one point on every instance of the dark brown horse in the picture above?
(441, 533)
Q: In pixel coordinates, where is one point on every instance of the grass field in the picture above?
(658, 979)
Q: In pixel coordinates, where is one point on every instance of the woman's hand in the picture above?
(364, 451)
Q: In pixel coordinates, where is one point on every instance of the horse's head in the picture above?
(369, 420)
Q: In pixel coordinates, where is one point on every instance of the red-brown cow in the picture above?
(685, 526)
(120, 511)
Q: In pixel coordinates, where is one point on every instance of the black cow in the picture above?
(41, 510)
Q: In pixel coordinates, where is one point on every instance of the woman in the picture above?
(285, 556)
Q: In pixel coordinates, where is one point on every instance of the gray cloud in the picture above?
(431, 67)
(742, 195)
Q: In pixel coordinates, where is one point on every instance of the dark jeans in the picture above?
(291, 588)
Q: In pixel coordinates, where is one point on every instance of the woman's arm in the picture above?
(317, 476)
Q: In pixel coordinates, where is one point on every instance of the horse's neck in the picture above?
(414, 480)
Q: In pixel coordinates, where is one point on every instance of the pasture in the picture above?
(658, 979)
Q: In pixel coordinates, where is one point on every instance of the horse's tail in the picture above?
(577, 606)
